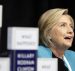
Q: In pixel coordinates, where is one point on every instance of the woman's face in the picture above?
(62, 33)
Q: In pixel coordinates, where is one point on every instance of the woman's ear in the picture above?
(49, 37)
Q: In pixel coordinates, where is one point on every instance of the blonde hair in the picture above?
(48, 20)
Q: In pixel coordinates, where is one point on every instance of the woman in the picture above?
(56, 28)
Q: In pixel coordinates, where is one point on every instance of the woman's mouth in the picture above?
(69, 38)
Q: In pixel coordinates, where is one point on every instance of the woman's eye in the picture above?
(72, 27)
(63, 25)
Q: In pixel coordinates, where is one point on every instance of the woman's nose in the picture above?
(70, 30)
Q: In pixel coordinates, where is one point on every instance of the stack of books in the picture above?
(23, 45)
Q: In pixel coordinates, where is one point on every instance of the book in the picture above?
(4, 64)
(23, 44)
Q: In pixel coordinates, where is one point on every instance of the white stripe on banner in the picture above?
(1, 8)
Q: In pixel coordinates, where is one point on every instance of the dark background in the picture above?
(25, 13)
